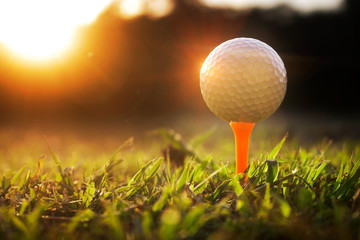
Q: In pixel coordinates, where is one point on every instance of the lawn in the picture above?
(173, 187)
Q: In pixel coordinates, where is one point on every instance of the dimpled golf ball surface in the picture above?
(243, 80)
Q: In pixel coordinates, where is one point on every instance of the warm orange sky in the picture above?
(42, 30)
(104, 57)
(38, 30)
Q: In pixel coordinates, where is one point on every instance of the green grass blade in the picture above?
(354, 168)
(207, 179)
(260, 173)
(5, 185)
(180, 185)
(338, 179)
(319, 170)
(251, 170)
(197, 170)
(219, 190)
(154, 168)
(160, 203)
(236, 185)
(348, 185)
(17, 176)
(272, 155)
(273, 170)
(140, 173)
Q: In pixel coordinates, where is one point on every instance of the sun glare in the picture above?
(39, 30)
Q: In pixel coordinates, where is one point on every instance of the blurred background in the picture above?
(96, 64)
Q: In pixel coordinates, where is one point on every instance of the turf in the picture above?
(187, 191)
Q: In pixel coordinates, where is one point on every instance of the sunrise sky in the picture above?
(41, 30)
(90, 59)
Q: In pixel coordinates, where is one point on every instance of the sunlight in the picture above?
(304, 6)
(39, 30)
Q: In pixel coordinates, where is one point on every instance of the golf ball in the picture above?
(243, 80)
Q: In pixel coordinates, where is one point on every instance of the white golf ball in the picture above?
(243, 80)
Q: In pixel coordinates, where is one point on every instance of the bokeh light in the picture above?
(153, 8)
(304, 6)
(130, 8)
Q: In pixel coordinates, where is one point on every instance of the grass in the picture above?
(291, 193)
